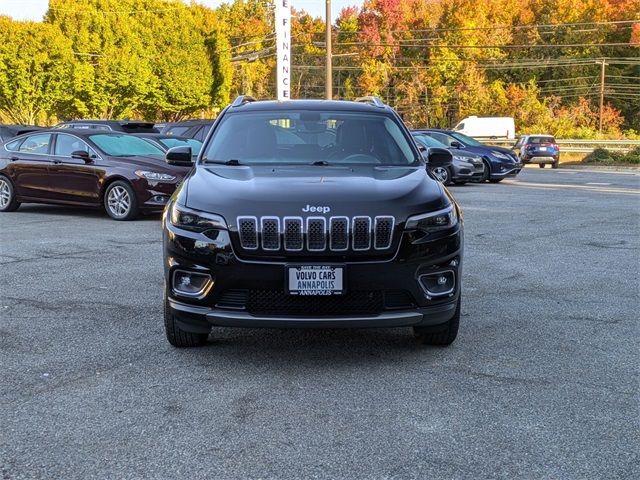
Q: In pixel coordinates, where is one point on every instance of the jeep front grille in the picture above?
(316, 234)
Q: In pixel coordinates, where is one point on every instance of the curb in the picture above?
(614, 168)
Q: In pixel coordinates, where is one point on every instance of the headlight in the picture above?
(501, 155)
(434, 221)
(187, 219)
(461, 159)
(157, 176)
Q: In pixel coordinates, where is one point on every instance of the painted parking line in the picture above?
(597, 183)
(559, 186)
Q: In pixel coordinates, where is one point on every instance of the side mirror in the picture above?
(439, 157)
(179, 157)
(81, 155)
(457, 145)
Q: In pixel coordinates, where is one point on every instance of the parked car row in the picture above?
(120, 165)
(464, 167)
(498, 162)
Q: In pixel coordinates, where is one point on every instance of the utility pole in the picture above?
(328, 88)
(602, 72)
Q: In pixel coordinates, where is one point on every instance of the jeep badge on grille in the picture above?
(319, 209)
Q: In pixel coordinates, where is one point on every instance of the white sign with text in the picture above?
(283, 49)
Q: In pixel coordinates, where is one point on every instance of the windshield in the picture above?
(467, 140)
(542, 140)
(195, 145)
(428, 141)
(310, 137)
(123, 145)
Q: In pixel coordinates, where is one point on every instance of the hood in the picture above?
(233, 191)
(501, 149)
(486, 150)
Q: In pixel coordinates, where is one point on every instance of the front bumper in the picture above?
(392, 285)
(466, 172)
(507, 170)
(154, 195)
(198, 319)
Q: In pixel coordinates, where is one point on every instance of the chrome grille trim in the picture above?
(361, 233)
(316, 234)
(337, 244)
(248, 232)
(316, 239)
(383, 241)
(270, 233)
(293, 238)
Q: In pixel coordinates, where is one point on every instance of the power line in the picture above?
(513, 27)
(439, 46)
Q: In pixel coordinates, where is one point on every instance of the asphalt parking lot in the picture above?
(541, 383)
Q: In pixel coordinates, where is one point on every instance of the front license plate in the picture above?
(315, 280)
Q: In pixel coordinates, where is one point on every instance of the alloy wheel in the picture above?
(5, 193)
(119, 201)
(442, 174)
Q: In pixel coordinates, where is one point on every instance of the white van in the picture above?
(487, 127)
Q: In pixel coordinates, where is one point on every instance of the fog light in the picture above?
(438, 284)
(191, 284)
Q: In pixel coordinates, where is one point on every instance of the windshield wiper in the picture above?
(321, 163)
(233, 162)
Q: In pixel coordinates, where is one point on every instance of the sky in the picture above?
(35, 9)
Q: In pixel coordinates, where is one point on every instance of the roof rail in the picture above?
(371, 100)
(242, 99)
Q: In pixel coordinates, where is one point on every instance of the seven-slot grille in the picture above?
(315, 234)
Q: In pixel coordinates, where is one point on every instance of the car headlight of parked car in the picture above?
(195, 221)
(502, 156)
(461, 159)
(434, 221)
(155, 176)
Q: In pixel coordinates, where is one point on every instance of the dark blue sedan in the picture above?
(499, 162)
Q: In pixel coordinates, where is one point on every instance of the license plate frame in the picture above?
(323, 273)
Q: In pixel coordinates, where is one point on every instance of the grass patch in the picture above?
(602, 156)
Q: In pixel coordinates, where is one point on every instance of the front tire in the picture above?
(120, 201)
(486, 175)
(8, 202)
(440, 335)
(178, 337)
(443, 174)
(496, 180)
(541, 165)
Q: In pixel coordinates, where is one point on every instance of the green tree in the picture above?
(36, 64)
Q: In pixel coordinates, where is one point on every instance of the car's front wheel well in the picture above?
(109, 181)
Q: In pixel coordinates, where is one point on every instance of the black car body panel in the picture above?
(9, 131)
(248, 285)
(196, 129)
(126, 126)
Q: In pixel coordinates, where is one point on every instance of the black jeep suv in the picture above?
(310, 213)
